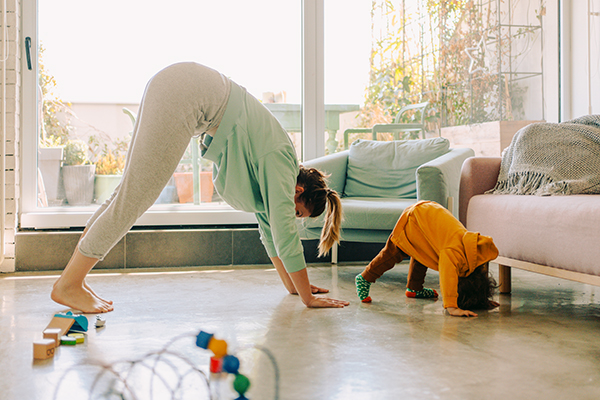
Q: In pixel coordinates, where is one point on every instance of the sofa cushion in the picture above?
(366, 213)
(558, 231)
(387, 169)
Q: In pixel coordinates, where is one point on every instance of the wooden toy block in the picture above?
(53, 333)
(43, 349)
(64, 324)
(69, 341)
(79, 337)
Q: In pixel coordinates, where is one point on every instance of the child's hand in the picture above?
(493, 304)
(326, 302)
(457, 312)
(314, 289)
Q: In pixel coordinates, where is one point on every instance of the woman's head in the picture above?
(476, 290)
(316, 196)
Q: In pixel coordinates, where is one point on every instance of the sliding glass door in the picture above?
(90, 61)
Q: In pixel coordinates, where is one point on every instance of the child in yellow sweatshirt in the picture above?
(432, 238)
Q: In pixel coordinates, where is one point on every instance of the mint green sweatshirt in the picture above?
(255, 170)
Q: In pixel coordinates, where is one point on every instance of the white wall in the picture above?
(581, 68)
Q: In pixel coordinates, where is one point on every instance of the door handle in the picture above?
(28, 51)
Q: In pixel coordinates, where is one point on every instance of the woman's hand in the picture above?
(314, 289)
(326, 302)
(457, 312)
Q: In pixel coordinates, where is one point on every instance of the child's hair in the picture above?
(316, 196)
(475, 291)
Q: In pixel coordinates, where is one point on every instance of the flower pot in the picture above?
(206, 187)
(79, 183)
(104, 186)
(184, 182)
(49, 159)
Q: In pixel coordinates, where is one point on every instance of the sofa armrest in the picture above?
(438, 179)
(335, 165)
(478, 175)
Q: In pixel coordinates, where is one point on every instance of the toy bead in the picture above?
(231, 364)
(216, 365)
(203, 339)
(241, 398)
(218, 347)
(241, 384)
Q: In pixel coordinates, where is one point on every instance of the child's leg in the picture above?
(387, 258)
(416, 279)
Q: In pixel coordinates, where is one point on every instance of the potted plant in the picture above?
(50, 157)
(78, 173)
(109, 171)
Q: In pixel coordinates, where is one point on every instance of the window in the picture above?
(95, 59)
(347, 41)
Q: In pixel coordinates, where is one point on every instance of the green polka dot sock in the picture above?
(362, 288)
(426, 293)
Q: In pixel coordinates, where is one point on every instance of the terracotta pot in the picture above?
(206, 187)
(184, 182)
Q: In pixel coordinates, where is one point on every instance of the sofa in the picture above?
(378, 180)
(552, 235)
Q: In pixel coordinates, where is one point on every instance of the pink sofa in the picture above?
(552, 235)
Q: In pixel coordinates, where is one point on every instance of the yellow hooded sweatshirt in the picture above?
(434, 237)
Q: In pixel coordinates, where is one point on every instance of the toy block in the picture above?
(100, 321)
(69, 341)
(43, 349)
(64, 324)
(79, 337)
(53, 333)
(80, 322)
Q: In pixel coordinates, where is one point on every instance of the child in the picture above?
(431, 236)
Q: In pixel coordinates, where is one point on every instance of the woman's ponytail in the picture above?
(330, 234)
(317, 197)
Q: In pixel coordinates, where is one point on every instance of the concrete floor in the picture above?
(542, 343)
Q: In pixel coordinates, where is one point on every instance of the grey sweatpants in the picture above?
(181, 101)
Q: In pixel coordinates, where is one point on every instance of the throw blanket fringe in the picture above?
(534, 183)
(552, 159)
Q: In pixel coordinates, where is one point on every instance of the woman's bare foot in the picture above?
(89, 289)
(79, 298)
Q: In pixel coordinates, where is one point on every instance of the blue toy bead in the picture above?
(231, 364)
(203, 339)
(242, 398)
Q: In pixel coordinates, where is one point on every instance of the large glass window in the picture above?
(94, 61)
(347, 49)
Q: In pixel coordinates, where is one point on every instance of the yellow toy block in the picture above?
(79, 337)
(54, 334)
(43, 349)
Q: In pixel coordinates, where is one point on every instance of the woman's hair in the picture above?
(316, 196)
(475, 291)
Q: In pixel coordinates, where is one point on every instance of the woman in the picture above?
(255, 170)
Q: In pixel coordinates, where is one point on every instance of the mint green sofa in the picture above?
(378, 180)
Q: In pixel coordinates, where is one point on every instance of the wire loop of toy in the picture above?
(122, 372)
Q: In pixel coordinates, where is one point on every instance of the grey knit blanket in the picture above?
(552, 159)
